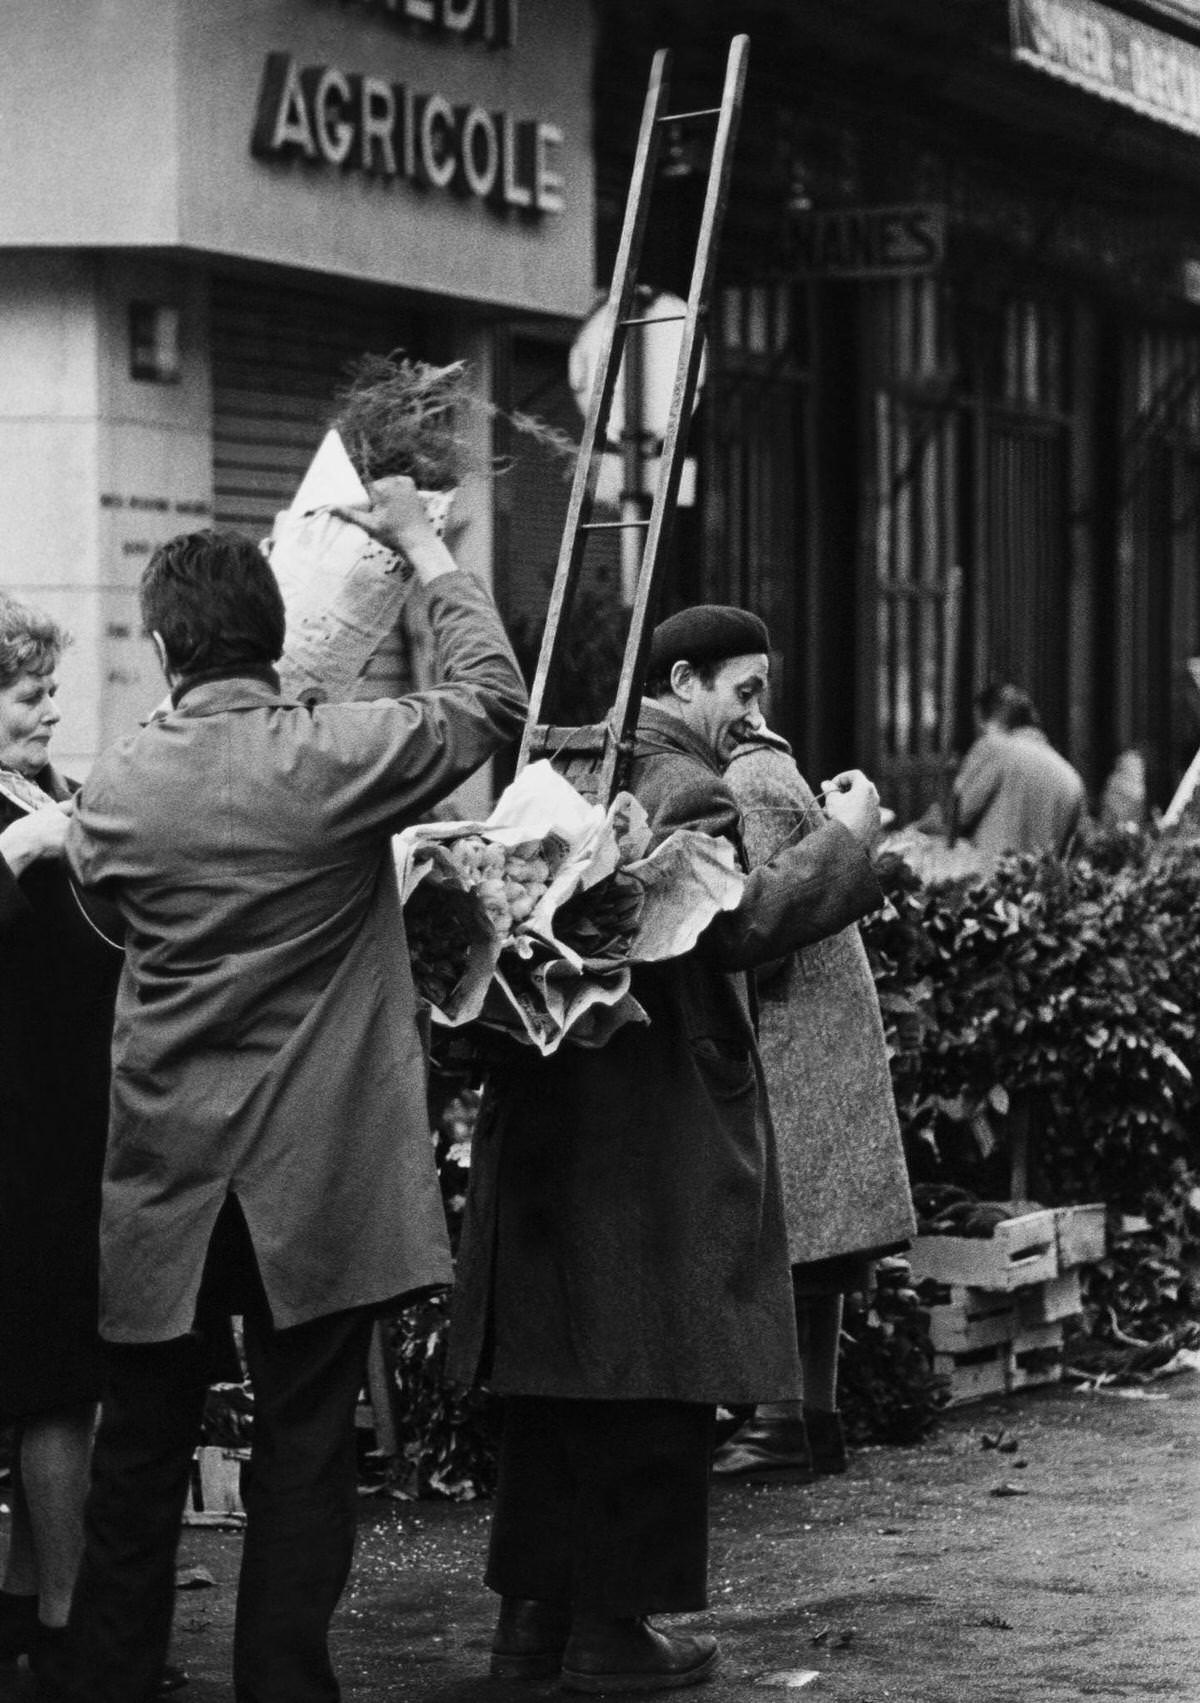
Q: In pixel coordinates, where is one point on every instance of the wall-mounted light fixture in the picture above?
(681, 155)
(154, 342)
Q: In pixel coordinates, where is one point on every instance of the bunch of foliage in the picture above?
(448, 1436)
(399, 415)
(888, 1391)
(1074, 988)
(1143, 1299)
(1074, 984)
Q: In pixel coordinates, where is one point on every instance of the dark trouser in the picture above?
(301, 1498)
(603, 1505)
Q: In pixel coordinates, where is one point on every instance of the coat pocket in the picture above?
(726, 1067)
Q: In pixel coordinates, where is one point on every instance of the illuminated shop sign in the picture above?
(329, 117)
(1111, 55)
(493, 22)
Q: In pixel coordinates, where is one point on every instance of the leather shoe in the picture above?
(632, 1655)
(767, 1448)
(18, 1626)
(529, 1638)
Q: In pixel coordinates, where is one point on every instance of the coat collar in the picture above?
(764, 740)
(659, 731)
(24, 793)
(233, 692)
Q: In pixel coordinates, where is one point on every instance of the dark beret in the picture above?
(709, 632)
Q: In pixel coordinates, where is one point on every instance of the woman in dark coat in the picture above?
(56, 1002)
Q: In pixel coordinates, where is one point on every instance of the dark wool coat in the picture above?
(841, 1160)
(56, 1004)
(624, 1233)
(266, 1042)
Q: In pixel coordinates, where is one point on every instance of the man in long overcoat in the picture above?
(269, 1142)
(624, 1264)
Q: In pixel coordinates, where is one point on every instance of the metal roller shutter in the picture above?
(279, 354)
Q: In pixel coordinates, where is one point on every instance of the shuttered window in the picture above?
(1158, 587)
(279, 354)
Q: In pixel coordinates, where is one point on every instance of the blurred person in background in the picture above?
(1014, 792)
(841, 1162)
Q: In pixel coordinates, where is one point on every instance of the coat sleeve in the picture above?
(13, 903)
(806, 892)
(975, 785)
(409, 753)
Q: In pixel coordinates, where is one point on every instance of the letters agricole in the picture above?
(357, 122)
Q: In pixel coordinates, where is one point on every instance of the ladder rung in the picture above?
(653, 319)
(610, 525)
(678, 117)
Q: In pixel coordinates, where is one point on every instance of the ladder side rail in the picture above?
(625, 708)
(612, 342)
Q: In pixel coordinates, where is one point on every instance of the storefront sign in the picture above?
(363, 123)
(869, 242)
(493, 22)
(1114, 56)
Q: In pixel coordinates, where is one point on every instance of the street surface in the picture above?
(907, 1581)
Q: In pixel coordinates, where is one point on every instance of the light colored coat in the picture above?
(820, 1034)
(266, 1043)
(624, 1236)
(1015, 793)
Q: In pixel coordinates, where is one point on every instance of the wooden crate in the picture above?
(1020, 1251)
(1081, 1233)
(1036, 1357)
(1057, 1299)
(215, 1492)
(973, 1376)
(962, 1319)
(1033, 1357)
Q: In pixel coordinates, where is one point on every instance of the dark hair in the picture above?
(30, 641)
(1007, 705)
(214, 600)
(659, 684)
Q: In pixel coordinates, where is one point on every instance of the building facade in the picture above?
(949, 432)
(208, 212)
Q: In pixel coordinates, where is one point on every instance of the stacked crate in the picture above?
(998, 1305)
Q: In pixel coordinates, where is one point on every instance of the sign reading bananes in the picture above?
(357, 122)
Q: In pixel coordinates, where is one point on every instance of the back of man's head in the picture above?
(1007, 707)
(213, 600)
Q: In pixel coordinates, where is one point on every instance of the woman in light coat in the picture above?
(845, 1184)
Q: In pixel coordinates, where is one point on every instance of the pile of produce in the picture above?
(530, 922)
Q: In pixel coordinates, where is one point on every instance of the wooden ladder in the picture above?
(595, 758)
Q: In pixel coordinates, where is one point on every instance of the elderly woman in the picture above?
(57, 987)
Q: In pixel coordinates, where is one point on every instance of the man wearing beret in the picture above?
(624, 1264)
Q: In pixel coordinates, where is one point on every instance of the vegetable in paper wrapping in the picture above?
(342, 591)
(531, 921)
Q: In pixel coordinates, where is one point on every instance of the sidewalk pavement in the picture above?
(1067, 1568)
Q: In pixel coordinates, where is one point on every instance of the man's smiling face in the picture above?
(724, 711)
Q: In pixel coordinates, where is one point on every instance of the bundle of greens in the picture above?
(399, 415)
(530, 922)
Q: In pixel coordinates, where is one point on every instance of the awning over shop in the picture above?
(1119, 58)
